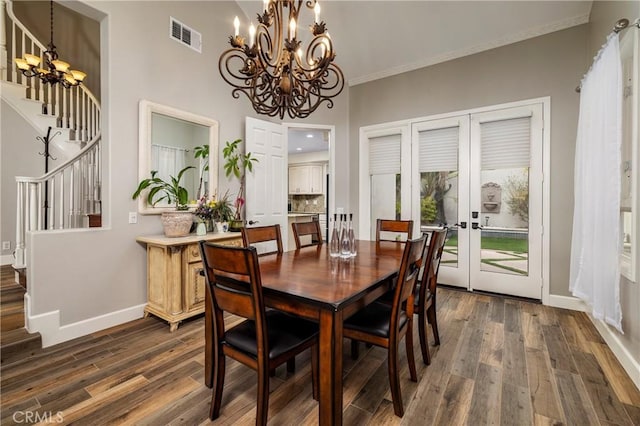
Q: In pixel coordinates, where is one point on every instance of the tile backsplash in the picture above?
(305, 203)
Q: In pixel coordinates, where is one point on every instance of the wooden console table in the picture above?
(175, 288)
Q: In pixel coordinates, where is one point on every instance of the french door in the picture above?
(481, 174)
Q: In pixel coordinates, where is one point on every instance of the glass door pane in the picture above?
(440, 151)
(504, 196)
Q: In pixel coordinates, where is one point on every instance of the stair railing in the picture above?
(72, 190)
(75, 108)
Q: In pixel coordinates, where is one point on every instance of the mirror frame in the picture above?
(146, 111)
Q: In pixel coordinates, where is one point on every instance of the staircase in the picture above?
(15, 342)
(69, 196)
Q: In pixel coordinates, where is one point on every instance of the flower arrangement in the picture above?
(204, 208)
(221, 210)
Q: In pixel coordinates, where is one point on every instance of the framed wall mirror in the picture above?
(169, 140)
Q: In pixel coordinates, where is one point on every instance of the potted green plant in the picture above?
(176, 223)
(222, 212)
(236, 164)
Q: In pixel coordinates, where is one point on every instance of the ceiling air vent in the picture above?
(185, 35)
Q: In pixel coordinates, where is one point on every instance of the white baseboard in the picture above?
(48, 324)
(610, 336)
(7, 259)
(567, 302)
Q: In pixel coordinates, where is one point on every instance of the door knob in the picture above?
(253, 222)
(462, 225)
(476, 225)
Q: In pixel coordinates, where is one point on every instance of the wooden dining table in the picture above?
(310, 283)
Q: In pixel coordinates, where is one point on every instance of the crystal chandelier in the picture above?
(274, 71)
(54, 71)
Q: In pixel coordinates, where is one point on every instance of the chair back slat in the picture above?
(394, 226)
(233, 278)
(408, 276)
(436, 258)
(263, 234)
(302, 229)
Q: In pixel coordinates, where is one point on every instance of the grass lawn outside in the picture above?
(492, 243)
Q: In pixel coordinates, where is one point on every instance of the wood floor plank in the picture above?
(605, 402)
(515, 406)
(544, 397)
(514, 368)
(512, 322)
(466, 360)
(496, 314)
(374, 391)
(559, 352)
(479, 313)
(456, 401)
(352, 416)
(633, 412)
(492, 344)
(575, 401)
(485, 402)
(532, 330)
(572, 333)
(621, 383)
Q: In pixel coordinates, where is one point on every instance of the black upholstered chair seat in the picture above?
(284, 334)
(374, 319)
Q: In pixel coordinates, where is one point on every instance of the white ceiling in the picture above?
(376, 39)
(307, 140)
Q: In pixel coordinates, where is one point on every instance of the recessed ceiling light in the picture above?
(298, 149)
(309, 135)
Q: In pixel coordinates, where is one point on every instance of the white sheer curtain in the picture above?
(167, 160)
(596, 243)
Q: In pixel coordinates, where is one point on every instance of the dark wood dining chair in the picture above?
(263, 234)
(303, 229)
(263, 341)
(384, 325)
(425, 292)
(396, 226)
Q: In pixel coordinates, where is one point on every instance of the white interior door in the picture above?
(266, 187)
(481, 174)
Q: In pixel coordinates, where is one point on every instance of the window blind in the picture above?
(384, 155)
(438, 149)
(505, 144)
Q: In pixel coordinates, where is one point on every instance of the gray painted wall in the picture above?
(550, 65)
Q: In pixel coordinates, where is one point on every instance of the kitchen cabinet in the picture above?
(306, 179)
(175, 288)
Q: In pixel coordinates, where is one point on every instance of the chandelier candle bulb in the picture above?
(292, 29)
(252, 35)
(236, 26)
(316, 11)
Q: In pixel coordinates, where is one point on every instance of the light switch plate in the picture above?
(133, 217)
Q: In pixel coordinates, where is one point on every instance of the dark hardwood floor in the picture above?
(500, 362)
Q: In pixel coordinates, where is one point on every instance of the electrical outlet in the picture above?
(6, 245)
(315, 202)
(133, 217)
